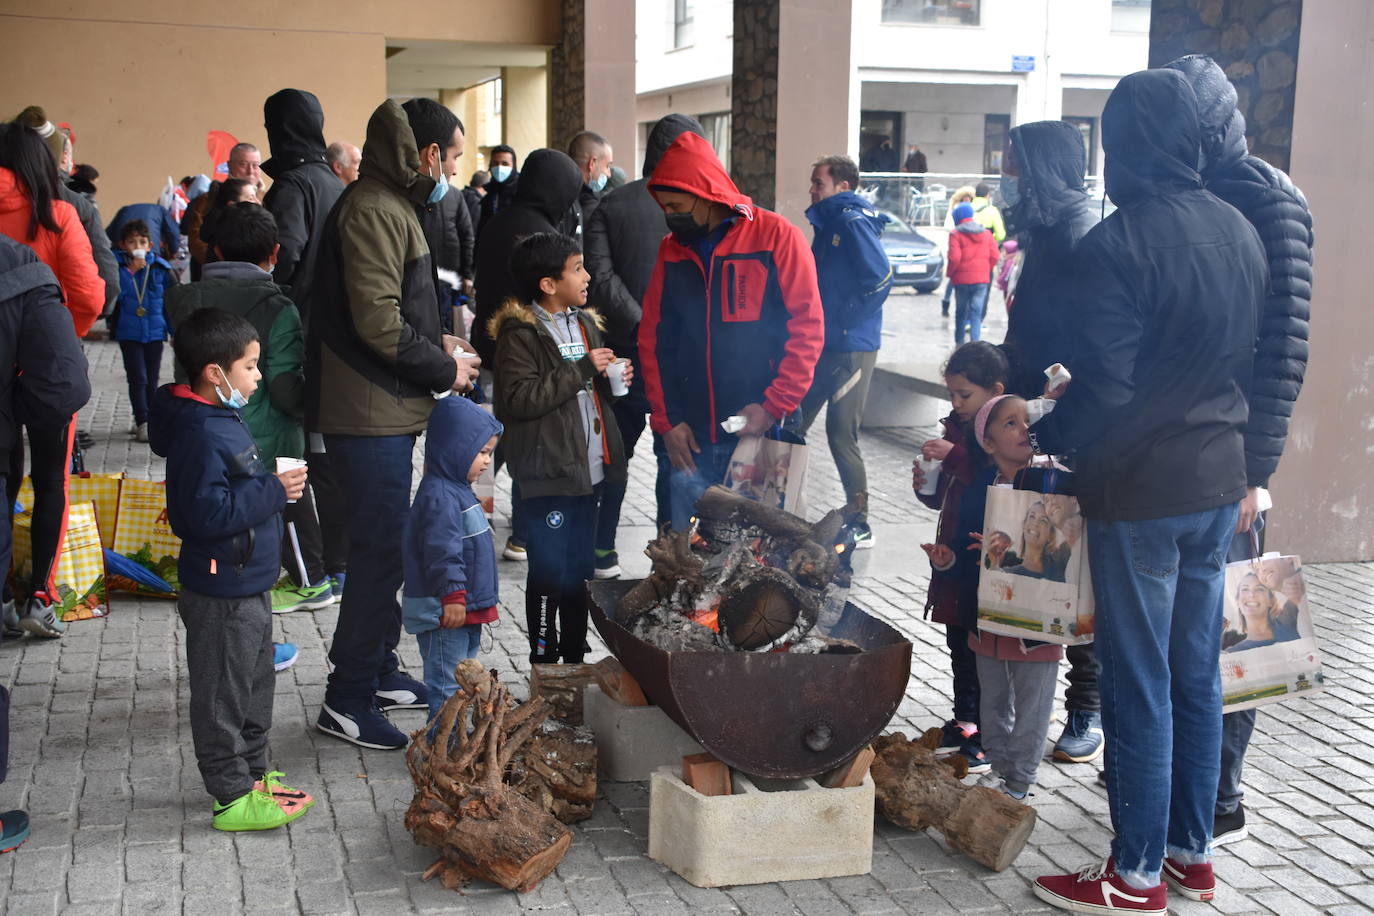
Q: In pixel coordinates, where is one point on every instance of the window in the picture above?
(1088, 128)
(880, 141)
(717, 127)
(996, 127)
(932, 12)
(1130, 15)
(682, 23)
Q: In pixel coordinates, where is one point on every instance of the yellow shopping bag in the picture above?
(144, 536)
(79, 573)
(103, 490)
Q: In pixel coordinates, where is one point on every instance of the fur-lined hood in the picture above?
(516, 311)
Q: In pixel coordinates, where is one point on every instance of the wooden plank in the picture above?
(706, 774)
(850, 774)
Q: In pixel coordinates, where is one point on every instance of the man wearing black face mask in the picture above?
(732, 322)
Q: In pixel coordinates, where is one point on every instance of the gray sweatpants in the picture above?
(842, 381)
(229, 659)
(1015, 702)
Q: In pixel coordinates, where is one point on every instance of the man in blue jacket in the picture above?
(854, 276)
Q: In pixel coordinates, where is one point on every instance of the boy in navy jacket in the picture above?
(226, 508)
(451, 586)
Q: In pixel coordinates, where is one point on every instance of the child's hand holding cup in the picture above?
(291, 472)
(925, 475)
(620, 372)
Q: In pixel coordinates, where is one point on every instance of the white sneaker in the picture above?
(514, 551)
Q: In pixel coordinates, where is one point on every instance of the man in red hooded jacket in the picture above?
(732, 321)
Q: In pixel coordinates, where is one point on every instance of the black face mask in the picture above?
(685, 228)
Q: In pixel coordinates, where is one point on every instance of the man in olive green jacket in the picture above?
(375, 362)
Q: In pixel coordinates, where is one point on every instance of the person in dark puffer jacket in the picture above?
(1278, 210)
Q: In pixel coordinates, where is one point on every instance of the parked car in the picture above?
(916, 260)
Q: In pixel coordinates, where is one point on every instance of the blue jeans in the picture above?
(375, 473)
(970, 299)
(1159, 586)
(684, 488)
(442, 650)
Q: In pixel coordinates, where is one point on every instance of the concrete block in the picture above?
(633, 741)
(768, 830)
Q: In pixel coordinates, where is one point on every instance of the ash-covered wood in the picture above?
(462, 807)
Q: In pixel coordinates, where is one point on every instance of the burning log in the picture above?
(915, 790)
(481, 827)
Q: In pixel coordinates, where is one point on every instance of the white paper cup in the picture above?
(616, 373)
(289, 464)
(930, 467)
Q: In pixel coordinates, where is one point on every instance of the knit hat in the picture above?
(980, 421)
(963, 212)
(34, 117)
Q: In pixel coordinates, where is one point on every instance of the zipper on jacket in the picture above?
(710, 375)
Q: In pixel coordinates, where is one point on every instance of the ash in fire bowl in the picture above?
(744, 578)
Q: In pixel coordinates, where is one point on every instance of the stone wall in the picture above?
(1256, 42)
(567, 76)
(754, 100)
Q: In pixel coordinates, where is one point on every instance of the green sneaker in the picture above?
(287, 798)
(287, 598)
(253, 811)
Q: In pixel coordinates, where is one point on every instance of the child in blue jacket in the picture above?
(449, 556)
(140, 325)
(226, 508)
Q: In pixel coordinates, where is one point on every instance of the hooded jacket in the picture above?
(1166, 298)
(304, 187)
(852, 270)
(972, 254)
(500, 194)
(1278, 211)
(1051, 217)
(162, 229)
(448, 547)
(66, 252)
(373, 351)
(548, 187)
(274, 411)
(47, 382)
(621, 242)
(537, 399)
(222, 501)
(154, 281)
(744, 328)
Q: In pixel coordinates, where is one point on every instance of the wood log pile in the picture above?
(745, 577)
(481, 826)
(916, 790)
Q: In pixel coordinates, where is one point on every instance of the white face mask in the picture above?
(138, 254)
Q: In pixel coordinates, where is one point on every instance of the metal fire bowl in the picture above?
(771, 714)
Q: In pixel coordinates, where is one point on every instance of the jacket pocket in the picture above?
(745, 284)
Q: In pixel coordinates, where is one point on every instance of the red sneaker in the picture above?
(1196, 882)
(1099, 889)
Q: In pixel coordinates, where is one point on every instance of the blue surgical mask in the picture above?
(235, 399)
(599, 182)
(440, 188)
(499, 173)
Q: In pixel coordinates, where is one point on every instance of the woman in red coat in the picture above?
(972, 256)
(31, 214)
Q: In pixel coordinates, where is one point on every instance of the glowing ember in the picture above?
(709, 617)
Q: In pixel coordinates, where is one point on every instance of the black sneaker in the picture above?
(607, 565)
(1229, 828)
(401, 691)
(972, 751)
(953, 738)
(361, 723)
(863, 536)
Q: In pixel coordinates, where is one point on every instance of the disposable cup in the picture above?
(930, 467)
(616, 373)
(289, 464)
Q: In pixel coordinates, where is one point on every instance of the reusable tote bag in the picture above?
(1035, 582)
(103, 490)
(79, 573)
(771, 469)
(1268, 650)
(145, 549)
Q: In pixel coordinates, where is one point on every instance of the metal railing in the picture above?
(923, 200)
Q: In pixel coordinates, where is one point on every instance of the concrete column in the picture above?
(524, 108)
(592, 75)
(791, 96)
(1324, 492)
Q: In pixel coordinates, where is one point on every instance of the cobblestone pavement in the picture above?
(101, 756)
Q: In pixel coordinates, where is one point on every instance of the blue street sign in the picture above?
(1022, 63)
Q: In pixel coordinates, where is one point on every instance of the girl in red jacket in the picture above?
(972, 256)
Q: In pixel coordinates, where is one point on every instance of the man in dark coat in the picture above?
(620, 244)
(505, 181)
(1167, 299)
(1048, 208)
(1278, 210)
(448, 231)
(304, 187)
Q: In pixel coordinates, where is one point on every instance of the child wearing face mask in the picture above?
(140, 324)
(1016, 678)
